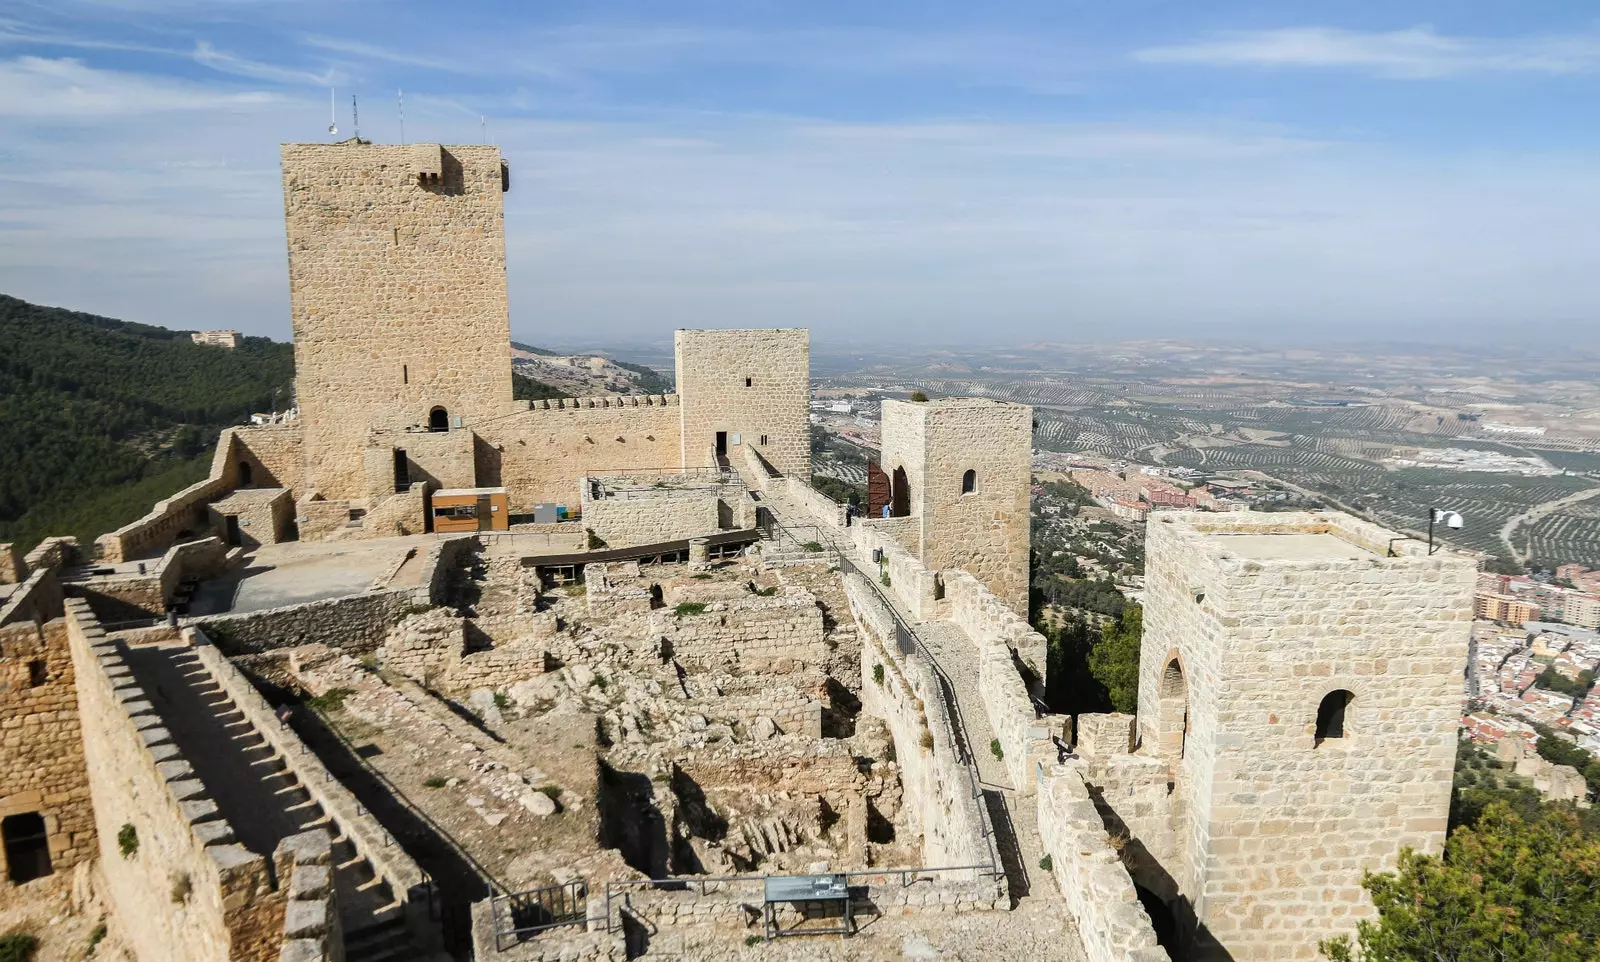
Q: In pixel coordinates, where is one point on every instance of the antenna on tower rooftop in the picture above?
(355, 116)
(400, 98)
(333, 112)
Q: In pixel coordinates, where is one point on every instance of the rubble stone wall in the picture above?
(189, 892)
(440, 459)
(753, 383)
(539, 455)
(774, 633)
(179, 516)
(1240, 649)
(12, 567)
(357, 624)
(274, 453)
(397, 290)
(1112, 924)
(41, 743)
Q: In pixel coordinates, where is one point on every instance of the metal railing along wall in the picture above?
(909, 643)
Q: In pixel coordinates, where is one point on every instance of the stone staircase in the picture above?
(260, 795)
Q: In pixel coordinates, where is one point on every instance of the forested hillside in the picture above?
(100, 418)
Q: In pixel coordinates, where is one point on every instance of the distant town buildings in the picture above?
(1513, 600)
(227, 339)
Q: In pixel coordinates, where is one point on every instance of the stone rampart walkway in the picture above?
(1015, 819)
(256, 790)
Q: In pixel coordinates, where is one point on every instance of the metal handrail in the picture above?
(906, 874)
(947, 695)
(566, 904)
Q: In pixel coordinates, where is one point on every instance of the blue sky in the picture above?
(948, 173)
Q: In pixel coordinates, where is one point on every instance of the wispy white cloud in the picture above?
(208, 55)
(70, 89)
(1416, 53)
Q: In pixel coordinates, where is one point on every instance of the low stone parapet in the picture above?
(1112, 923)
(369, 838)
(311, 931)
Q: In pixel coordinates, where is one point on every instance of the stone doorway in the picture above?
(27, 847)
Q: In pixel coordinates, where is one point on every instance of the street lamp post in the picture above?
(1451, 520)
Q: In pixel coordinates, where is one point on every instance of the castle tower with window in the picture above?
(397, 285)
(1302, 676)
(961, 467)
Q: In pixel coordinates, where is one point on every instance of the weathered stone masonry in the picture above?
(1251, 621)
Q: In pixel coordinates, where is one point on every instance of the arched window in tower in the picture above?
(969, 482)
(246, 474)
(1173, 712)
(1331, 715)
(900, 495)
(438, 420)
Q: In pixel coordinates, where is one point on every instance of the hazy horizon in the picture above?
(923, 174)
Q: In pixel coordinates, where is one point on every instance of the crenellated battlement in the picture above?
(604, 401)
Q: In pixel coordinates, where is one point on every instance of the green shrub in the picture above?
(753, 940)
(918, 396)
(877, 674)
(330, 701)
(883, 579)
(701, 576)
(128, 840)
(927, 739)
(97, 936)
(688, 608)
(501, 700)
(1047, 863)
(767, 592)
(182, 888)
(436, 781)
(815, 547)
(18, 947)
(995, 749)
(554, 791)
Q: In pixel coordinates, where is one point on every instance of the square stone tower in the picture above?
(1302, 673)
(750, 385)
(397, 284)
(961, 467)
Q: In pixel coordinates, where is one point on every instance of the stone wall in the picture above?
(776, 634)
(357, 624)
(440, 459)
(1251, 620)
(939, 799)
(311, 930)
(1112, 924)
(37, 599)
(53, 553)
(275, 455)
(41, 743)
(264, 515)
(188, 892)
(635, 516)
(539, 455)
(754, 383)
(180, 516)
(988, 620)
(397, 290)
(12, 567)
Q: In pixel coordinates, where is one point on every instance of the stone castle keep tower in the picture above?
(397, 284)
(1305, 688)
(960, 467)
